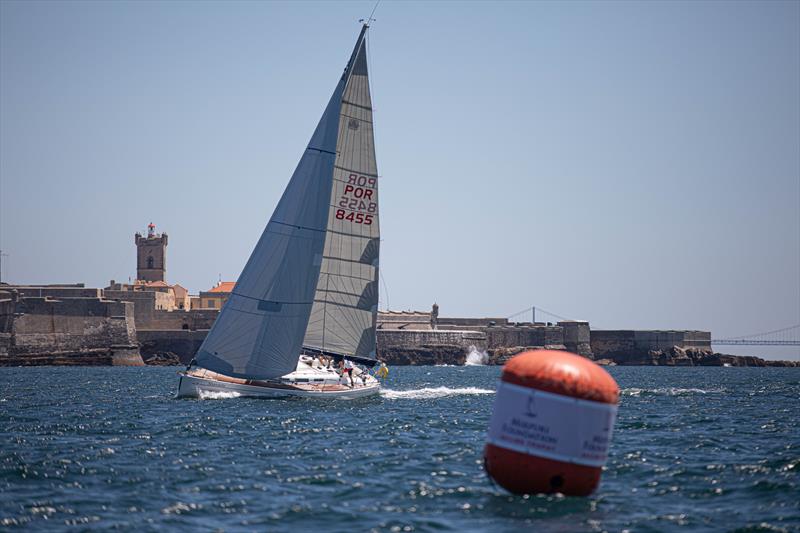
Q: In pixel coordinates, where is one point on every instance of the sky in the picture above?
(634, 164)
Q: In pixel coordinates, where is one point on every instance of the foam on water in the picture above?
(476, 357)
(432, 392)
(212, 395)
(668, 391)
(694, 449)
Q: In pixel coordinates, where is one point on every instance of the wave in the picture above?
(668, 391)
(432, 392)
(212, 395)
(476, 358)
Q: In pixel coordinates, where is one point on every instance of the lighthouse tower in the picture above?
(151, 255)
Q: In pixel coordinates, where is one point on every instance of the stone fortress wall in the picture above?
(74, 324)
(151, 313)
(502, 339)
(117, 325)
(73, 328)
(612, 342)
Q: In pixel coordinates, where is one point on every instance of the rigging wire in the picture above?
(370, 19)
(385, 290)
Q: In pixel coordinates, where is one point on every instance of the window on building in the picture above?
(150, 262)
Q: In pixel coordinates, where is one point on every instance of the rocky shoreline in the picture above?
(114, 356)
(676, 356)
(443, 354)
(76, 325)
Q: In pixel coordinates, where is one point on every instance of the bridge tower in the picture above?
(151, 255)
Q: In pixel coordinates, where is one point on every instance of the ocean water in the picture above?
(710, 449)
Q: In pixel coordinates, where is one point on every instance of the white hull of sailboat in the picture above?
(194, 387)
(305, 382)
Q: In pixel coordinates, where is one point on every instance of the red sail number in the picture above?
(358, 218)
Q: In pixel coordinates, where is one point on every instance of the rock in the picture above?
(768, 362)
(181, 343)
(500, 356)
(439, 354)
(678, 356)
(606, 362)
(86, 357)
(162, 359)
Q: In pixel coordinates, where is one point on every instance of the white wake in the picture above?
(213, 395)
(431, 392)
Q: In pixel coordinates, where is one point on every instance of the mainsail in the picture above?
(261, 328)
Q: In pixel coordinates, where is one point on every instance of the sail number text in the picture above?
(357, 200)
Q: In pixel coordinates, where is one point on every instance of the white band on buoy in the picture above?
(552, 426)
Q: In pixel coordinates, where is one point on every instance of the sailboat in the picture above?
(307, 299)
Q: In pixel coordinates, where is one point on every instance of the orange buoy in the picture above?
(552, 422)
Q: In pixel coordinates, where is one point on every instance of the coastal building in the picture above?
(182, 299)
(405, 320)
(75, 324)
(216, 297)
(156, 294)
(151, 255)
(150, 288)
(163, 318)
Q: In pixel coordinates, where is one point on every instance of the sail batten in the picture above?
(262, 326)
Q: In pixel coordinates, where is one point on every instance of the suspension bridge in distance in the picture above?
(789, 336)
(780, 337)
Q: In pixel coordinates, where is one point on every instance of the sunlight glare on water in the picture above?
(693, 449)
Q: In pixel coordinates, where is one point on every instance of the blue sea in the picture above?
(695, 449)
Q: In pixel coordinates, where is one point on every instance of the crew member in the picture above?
(347, 368)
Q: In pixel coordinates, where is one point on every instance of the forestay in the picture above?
(259, 332)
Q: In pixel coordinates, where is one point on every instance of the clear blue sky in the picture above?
(633, 164)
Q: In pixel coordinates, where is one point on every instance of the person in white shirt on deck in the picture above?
(347, 368)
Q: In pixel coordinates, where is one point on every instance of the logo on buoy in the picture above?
(531, 407)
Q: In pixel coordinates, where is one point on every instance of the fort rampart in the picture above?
(73, 324)
(647, 346)
(74, 330)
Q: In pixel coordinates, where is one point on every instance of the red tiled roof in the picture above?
(224, 286)
(156, 284)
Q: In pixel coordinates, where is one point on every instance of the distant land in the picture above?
(150, 321)
(139, 323)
